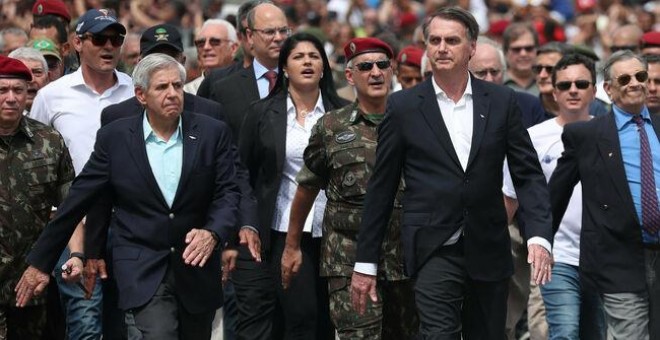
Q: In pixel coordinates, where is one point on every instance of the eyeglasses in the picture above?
(517, 50)
(623, 48)
(538, 68)
(101, 40)
(625, 79)
(566, 85)
(199, 43)
(484, 73)
(368, 65)
(270, 32)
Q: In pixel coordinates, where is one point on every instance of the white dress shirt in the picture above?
(297, 138)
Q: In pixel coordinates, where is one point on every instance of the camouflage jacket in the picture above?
(340, 158)
(35, 174)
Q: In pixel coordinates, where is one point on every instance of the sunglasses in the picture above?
(517, 50)
(538, 68)
(368, 65)
(101, 40)
(484, 73)
(199, 43)
(566, 85)
(625, 79)
(623, 48)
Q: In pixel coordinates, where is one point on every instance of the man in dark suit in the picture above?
(172, 177)
(616, 157)
(448, 137)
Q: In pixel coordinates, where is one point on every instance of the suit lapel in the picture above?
(190, 138)
(431, 113)
(277, 116)
(480, 105)
(138, 151)
(249, 84)
(609, 148)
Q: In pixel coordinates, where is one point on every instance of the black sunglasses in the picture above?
(623, 48)
(199, 43)
(101, 40)
(528, 49)
(625, 79)
(566, 85)
(538, 68)
(368, 65)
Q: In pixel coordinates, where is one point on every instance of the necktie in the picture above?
(271, 76)
(650, 212)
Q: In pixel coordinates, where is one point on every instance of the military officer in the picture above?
(340, 159)
(35, 174)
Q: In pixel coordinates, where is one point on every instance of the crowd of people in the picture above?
(307, 170)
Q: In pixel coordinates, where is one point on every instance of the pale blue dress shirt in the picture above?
(631, 155)
(260, 74)
(165, 159)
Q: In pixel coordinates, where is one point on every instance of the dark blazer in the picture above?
(148, 235)
(611, 250)
(440, 196)
(204, 89)
(236, 92)
(262, 146)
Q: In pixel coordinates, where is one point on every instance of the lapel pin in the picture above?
(482, 116)
(610, 154)
(192, 137)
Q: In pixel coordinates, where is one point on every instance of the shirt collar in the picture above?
(291, 110)
(621, 117)
(259, 69)
(149, 133)
(24, 128)
(78, 80)
(440, 92)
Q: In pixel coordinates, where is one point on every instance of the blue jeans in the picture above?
(83, 317)
(572, 312)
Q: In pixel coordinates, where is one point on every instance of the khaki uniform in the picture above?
(339, 159)
(35, 174)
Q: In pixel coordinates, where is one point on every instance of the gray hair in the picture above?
(29, 53)
(424, 63)
(155, 62)
(11, 31)
(494, 44)
(231, 30)
(620, 56)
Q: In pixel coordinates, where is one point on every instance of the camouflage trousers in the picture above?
(394, 316)
(25, 323)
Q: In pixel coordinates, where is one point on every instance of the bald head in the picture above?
(267, 29)
(488, 62)
(626, 37)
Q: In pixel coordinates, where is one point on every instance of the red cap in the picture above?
(407, 19)
(410, 55)
(14, 68)
(498, 27)
(363, 45)
(55, 7)
(651, 39)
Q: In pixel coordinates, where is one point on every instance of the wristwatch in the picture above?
(81, 256)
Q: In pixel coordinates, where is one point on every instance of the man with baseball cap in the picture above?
(37, 172)
(52, 55)
(409, 65)
(340, 159)
(72, 105)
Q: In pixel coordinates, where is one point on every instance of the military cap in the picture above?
(651, 39)
(160, 35)
(46, 46)
(14, 68)
(358, 46)
(410, 55)
(96, 20)
(54, 7)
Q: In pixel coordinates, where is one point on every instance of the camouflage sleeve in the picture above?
(314, 172)
(65, 173)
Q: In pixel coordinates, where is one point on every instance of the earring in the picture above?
(286, 75)
(321, 74)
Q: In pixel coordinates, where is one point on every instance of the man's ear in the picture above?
(139, 94)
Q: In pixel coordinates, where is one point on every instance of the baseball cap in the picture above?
(160, 35)
(96, 20)
(46, 47)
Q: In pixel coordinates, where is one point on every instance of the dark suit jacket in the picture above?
(236, 92)
(611, 251)
(148, 235)
(262, 147)
(204, 89)
(531, 110)
(440, 196)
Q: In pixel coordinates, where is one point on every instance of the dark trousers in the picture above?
(451, 304)
(304, 310)
(164, 318)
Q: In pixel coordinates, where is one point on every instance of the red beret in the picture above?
(498, 27)
(55, 7)
(363, 45)
(14, 68)
(651, 39)
(407, 19)
(410, 55)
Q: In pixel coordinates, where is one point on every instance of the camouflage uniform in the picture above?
(35, 174)
(340, 159)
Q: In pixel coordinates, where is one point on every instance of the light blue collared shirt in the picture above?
(260, 74)
(165, 159)
(631, 154)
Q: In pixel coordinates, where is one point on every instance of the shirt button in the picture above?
(172, 250)
(171, 216)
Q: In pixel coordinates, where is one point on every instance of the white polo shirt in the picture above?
(74, 110)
